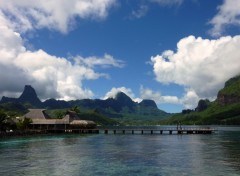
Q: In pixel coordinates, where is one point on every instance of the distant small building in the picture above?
(40, 120)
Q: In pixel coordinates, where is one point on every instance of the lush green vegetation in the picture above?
(224, 111)
(3, 117)
(23, 123)
(11, 117)
(13, 109)
(92, 115)
(232, 87)
(98, 118)
(149, 116)
(8, 122)
(214, 114)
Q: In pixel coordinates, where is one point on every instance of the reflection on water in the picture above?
(230, 142)
(216, 154)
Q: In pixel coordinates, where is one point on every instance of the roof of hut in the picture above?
(37, 114)
(83, 123)
(72, 115)
(50, 121)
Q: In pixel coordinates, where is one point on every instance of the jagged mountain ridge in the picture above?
(117, 107)
(29, 96)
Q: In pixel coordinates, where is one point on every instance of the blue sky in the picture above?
(174, 52)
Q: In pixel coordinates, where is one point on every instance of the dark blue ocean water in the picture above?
(100, 155)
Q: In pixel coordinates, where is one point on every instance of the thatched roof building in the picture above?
(35, 114)
(39, 117)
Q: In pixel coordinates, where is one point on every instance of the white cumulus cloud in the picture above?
(228, 14)
(200, 65)
(190, 99)
(113, 92)
(53, 14)
(51, 76)
(146, 93)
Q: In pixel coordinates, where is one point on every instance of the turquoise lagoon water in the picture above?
(141, 155)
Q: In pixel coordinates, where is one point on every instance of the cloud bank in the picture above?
(54, 14)
(200, 65)
(51, 76)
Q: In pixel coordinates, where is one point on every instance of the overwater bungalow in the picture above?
(41, 120)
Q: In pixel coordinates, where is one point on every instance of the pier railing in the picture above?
(164, 130)
(119, 130)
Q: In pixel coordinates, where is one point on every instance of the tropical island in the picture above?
(18, 113)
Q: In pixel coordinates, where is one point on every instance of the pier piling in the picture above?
(162, 131)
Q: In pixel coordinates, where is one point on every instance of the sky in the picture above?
(173, 52)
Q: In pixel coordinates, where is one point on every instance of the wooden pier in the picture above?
(115, 131)
(159, 131)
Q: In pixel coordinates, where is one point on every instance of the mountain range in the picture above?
(121, 107)
(225, 110)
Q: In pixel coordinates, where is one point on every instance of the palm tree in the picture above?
(75, 109)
